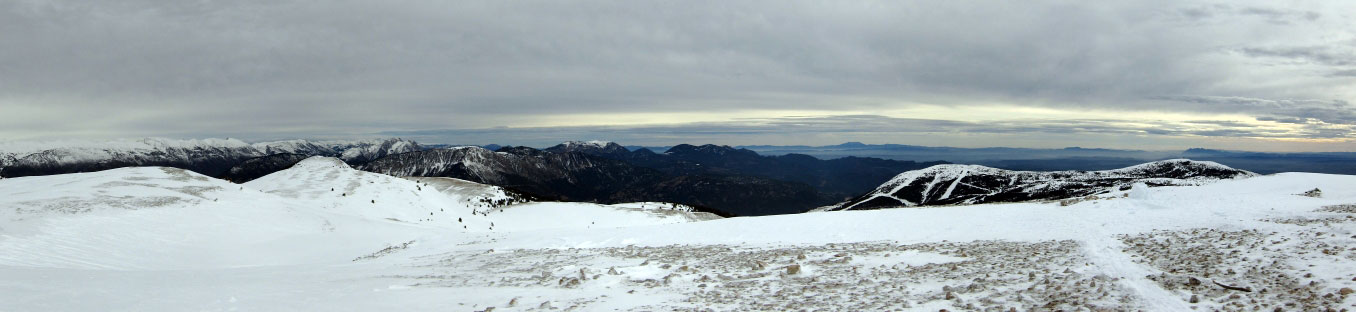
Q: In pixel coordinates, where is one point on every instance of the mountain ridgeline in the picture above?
(974, 184)
(721, 179)
(835, 178)
(259, 167)
(216, 158)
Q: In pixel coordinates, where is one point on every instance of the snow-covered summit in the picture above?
(21, 148)
(591, 147)
(330, 183)
(321, 162)
(969, 184)
(594, 143)
(350, 151)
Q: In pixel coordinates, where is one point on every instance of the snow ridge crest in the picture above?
(972, 184)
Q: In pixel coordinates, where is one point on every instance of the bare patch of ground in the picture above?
(980, 276)
(1241, 270)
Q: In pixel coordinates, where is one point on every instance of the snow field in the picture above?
(160, 239)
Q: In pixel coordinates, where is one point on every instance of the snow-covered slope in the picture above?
(158, 218)
(115, 240)
(443, 202)
(210, 156)
(331, 185)
(112, 218)
(971, 184)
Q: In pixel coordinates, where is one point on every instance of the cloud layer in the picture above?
(268, 69)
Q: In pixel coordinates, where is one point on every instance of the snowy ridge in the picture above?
(445, 202)
(331, 184)
(74, 151)
(21, 148)
(211, 156)
(484, 165)
(592, 147)
(319, 211)
(970, 184)
(159, 218)
(476, 160)
(707, 149)
(95, 150)
(593, 143)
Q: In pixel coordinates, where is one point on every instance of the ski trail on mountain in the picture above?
(952, 187)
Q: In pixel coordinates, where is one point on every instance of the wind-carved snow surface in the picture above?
(151, 239)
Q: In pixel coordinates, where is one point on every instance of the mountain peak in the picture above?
(590, 147)
(710, 149)
(320, 162)
(974, 184)
(594, 143)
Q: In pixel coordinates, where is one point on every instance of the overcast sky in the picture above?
(1265, 75)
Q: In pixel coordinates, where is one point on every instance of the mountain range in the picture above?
(1076, 158)
(211, 157)
(720, 179)
(724, 180)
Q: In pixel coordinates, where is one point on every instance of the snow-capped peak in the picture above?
(320, 162)
(604, 147)
(593, 143)
(969, 184)
(208, 156)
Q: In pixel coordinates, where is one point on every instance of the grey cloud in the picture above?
(1322, 55)
(1280, 15)
(1344, 73)
(858, 126)
(1270, 14)
(1329, 111)
(1226, 123)
(1284, 120)
(301, 68)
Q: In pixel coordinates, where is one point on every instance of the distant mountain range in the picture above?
(730, 181)
(836, 178)
(723, 179)
(212, 157)
(1076, 158)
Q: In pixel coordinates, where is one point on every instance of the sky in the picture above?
(1243, 75)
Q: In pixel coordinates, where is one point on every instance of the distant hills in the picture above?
(211, 157)
(1076, 158)
(723, 179)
